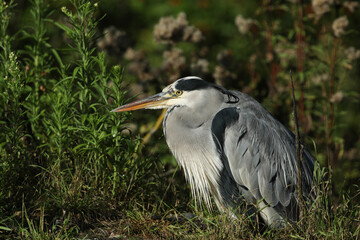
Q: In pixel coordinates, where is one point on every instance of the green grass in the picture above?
(66, 169)
(342, 222)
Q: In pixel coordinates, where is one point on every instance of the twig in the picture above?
(154, 129)
(147, 137)
(298, 154)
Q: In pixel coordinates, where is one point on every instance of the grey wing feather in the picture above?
(261, 154)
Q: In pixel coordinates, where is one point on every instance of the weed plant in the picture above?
(62, 152)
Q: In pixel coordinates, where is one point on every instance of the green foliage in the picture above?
(61, 148)
(66, 162)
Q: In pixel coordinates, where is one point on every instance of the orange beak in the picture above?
(156, 101)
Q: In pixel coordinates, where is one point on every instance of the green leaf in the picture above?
(57, 56)
(63, 27)
(5, 228)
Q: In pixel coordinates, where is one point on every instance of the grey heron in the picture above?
(231, 149)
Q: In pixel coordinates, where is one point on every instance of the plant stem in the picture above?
(299, 149)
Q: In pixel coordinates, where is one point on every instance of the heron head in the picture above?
(186, 91)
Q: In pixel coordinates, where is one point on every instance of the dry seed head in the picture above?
(337, 97)
(171, 30)
(339, 26)
(200, 67)
(352, 53)
(351, 5)
(321, 7)
(320, 78)
(243, 24)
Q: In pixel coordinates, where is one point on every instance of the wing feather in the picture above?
(261, 154)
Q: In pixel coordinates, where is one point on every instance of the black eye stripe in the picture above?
(191, 84)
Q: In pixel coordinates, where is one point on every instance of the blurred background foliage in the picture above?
(65, 65)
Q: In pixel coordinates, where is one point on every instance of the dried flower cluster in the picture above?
(321, 7)
(170, 30)
(222, 73)
(352, 53)
(13, 67)
(320, 78)
(243, 24)
(200, 67)
(223, 76)
(133, 55)
(174, 63)
(138, 65)
(114, 42)
(350, 5)
(339, 26)
(337, 97)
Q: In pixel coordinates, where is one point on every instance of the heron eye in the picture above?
(178, 92)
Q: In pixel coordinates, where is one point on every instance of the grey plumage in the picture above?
(231, 148)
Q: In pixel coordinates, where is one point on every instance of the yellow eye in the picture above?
(178, 92)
